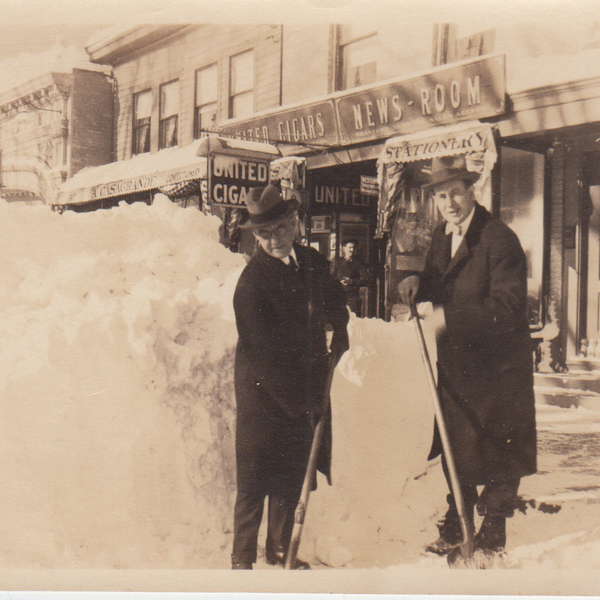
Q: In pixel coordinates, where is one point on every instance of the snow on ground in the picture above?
(117, 412)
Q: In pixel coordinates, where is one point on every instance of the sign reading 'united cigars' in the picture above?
(466, 91)
(311, 123)
(230, 177)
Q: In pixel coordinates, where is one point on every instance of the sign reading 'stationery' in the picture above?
(230, 178)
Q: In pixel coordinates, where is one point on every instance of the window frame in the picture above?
(339, 56)
(138, 125)
(251, 91)
(198, 107)
(164, 121)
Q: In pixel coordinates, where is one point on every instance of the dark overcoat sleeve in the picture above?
(486, 307)
(280, 319)
(501, 312)
(264, 345)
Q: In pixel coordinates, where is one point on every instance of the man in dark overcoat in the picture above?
(476, 270)
(352, 273)
(284, 301)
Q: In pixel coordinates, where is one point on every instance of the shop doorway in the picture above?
(339, 211)
(589, 322)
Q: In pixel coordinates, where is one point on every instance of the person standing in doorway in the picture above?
(284, 302)
(352, 272)
(476, 271)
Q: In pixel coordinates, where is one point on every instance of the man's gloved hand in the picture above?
(408, 289)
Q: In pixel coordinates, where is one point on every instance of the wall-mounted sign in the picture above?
(314, 123)
(446, 95)
(230, 177)
(369, 186)
(339, 197)
(320, 224)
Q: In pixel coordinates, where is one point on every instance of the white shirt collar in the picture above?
(461, 228)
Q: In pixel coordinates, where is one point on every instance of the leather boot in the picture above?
(491, 536)
(278, 558)
(450, 532)
(280, 525)
(238, 564)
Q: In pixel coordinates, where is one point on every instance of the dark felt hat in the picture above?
(266, 206)
(449, 168)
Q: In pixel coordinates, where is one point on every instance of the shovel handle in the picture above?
(311, 470)
(467, 545)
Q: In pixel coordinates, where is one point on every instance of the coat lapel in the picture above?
(470, 240)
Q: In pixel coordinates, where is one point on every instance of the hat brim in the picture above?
(470, 176)
(284, 210)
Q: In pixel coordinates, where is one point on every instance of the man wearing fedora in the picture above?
(476, 271)
(284, 301)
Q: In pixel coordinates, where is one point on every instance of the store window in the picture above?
(206, 100)
(522, 209)
(241, 84)
(169, 111)
(142, 109)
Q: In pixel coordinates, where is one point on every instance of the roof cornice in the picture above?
(118, 45)
(36, 90)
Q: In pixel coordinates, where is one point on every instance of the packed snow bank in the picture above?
(382, 426)
(116, 387)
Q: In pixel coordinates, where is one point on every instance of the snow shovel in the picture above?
(311, 470)
(466, 548)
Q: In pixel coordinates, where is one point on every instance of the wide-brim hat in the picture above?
(266, 206)
(449, 168)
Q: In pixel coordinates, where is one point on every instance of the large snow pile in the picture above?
(117, 407)
(116, 386)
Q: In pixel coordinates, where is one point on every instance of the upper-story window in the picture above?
(206, 100)
(357, 56)
(392, 51)
(142, 109)
(169, 111)
(241, 84)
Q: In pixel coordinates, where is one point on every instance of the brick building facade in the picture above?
(50, 128)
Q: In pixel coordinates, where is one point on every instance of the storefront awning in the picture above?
(170, 170)
(464, 138)
(140, 173)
